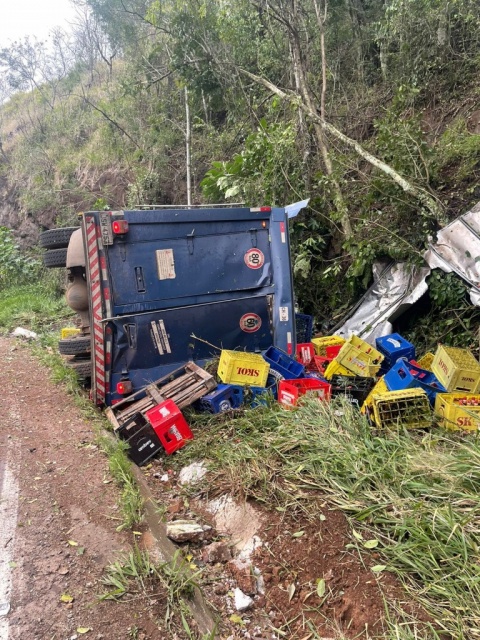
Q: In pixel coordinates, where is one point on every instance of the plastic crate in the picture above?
(405, 375)
(456, 369)
(69, 332)
(458, 411)
(360, 357)
(409, 409)
(169, 425)
(260, 396)
(142, 440)
(394, 347)
(303, 327)
(425, 362)
(354, 388)
(239, 367)
(336, 369)
(283, 364)
(321, 344)
(378, 389)
(289, 391)
(305, 353)
(225, 398)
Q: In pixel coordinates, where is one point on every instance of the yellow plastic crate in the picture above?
(320, 344)
(360, 357)
(425, 362)
(69, 332)
(239, 367)
(378, 389)
(451, 413)
(409, 408)
(336, 369)
(456, 369)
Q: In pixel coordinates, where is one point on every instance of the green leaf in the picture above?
(378, 568)
(298, 534)
(371, 544)
(321, 587)
(357, 535)
(290, 591)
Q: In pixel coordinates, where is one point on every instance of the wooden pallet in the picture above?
(183, 386)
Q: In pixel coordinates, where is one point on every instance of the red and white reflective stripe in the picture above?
(289, 343)
(99, 383)
(282, 232)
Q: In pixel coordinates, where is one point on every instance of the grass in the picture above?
(418, 493)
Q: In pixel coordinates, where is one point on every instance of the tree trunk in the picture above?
(188, 138)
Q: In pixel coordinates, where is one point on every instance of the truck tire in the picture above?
(55, 258)
(82, 367)
(56, 238)
(74, 346)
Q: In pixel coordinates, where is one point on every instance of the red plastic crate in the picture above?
(169, 425)
(305, 352)
(289, 391)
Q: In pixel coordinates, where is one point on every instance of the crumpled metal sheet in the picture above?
(457, 249)
(396, 287)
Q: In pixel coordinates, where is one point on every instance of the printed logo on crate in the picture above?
(254, 259)
(250, 322)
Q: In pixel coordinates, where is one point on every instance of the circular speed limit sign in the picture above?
(254, 259)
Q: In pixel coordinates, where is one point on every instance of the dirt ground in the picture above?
(66, 520)
(66, 535)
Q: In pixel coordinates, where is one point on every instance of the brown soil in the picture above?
(65, 494)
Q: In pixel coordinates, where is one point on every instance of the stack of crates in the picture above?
(409, 409)
(458, 411)
(359, 357)
(394, 347)
(406, 375)
(457, 369)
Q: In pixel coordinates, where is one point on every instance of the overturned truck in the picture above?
(158, 287)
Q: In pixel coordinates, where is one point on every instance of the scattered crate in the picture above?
(354, 388)
(360, 357)
(303, 327)
(69, 332)
(406, 375)
(239, 367)
(425, 362)
(321, 344)
(336, 369)
(457, 369)
(458, 411)
(283, 364)
(305, 353)
(184, 385)
(409, 409)
(394, 347)
(378, 389)
(142, 440)
(224, 398)
(289, 391)
(169, 425)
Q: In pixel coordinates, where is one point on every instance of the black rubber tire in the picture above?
(56, 238)
(55, 258)
(74, 346)
(82, 367)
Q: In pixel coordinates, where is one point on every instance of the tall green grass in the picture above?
(417, 492)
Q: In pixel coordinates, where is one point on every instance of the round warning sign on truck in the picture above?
(254, 259)
(250, 322)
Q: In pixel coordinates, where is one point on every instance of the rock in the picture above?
(24, 333)
(192, 474)
(242, 572)
(260, 581)
(187, 531)
(242, 601)
(216, 552)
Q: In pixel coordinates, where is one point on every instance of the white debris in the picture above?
(186, 530)
(248, 549)
(193, 473)
(24, 333)
(165, 478)
(242, 601)
(260, 581)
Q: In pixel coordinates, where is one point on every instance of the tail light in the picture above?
(119, 227)
(124, 387)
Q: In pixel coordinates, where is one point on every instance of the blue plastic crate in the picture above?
(225, 398)
(405, 375)
(303, 327)
(283, 364)
(394, 348)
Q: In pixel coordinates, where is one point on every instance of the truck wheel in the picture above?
(56, 238)
(55, 258)
(82, 367)
(74, 346)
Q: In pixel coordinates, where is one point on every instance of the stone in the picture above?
(192, 474)
(216, 552)
(242, 601)
(242, 572)
(187, 531)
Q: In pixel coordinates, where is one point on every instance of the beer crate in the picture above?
(141, 438)
(224, 398)
(305, 353)
(367, 407)
(425, 362)
(360, 357)
(169, 425)
(289, 391)
(239, 367)
(458, 411)
(394, 348)
(409, 409)
(406, 375)
(322, 343)
(69, 332)
(336, 369)
(457, 369)
(354, 388)
(303, 327)
(283, 364)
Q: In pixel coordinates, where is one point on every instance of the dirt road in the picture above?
(58, 517)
